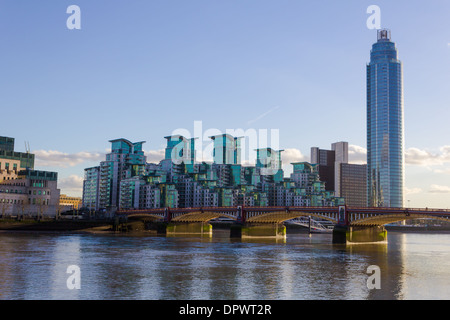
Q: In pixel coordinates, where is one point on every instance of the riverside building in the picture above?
(125, 180)
(23, 190)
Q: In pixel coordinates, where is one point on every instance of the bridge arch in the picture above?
(379, 220)
(200, 216)
(143, 216)
(281, 216)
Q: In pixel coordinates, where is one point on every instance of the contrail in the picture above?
(263, 115)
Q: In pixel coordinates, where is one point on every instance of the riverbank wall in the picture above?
(54, 225)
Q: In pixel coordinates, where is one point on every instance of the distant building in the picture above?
(347, 180)
(69, 203)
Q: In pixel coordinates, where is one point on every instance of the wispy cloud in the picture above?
(435, 188)
(262, 115)
(412, 190)
(52, 158)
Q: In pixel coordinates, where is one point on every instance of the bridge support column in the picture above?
(193, 228)
(263, 230)
(359, 234)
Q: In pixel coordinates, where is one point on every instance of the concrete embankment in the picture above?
(55, 225)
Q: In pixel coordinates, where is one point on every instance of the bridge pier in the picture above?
(195, 228)
(262, 230)
(359, 234)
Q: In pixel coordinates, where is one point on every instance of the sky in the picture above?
(141, 70)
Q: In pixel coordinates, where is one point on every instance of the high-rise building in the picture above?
(268, 161)
(328, 161)
(91, 188)
(385, 156)
(352, 182)
(126, 160)
(227, 149)
(325, 159)
(347, 180)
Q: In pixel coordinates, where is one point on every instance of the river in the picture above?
(303, 267)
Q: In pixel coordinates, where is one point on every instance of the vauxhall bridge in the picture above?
(351, 224)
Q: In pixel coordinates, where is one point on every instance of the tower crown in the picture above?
(384, 35)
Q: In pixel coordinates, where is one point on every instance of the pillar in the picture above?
(266, 230)
(359, 234)
(198, 228)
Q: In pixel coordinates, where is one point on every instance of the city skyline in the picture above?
(228, 59)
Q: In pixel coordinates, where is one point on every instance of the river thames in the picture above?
(142, 267)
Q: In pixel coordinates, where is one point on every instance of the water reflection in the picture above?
(33, 266)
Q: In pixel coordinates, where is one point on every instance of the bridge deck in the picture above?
(354, 216)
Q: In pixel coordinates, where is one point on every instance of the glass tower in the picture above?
(385, 156)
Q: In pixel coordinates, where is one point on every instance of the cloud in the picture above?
(52, 158)
(420, 157)
(412, 190)
(435, 188)
(72, 185)
(442, 171)
(357, 154)
(292, 155)
(413, 156)
(155, 156)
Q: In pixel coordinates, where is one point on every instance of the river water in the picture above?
(35, 266)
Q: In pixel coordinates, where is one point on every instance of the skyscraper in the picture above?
(385, 157)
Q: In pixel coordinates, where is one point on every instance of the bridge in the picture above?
(352, 224)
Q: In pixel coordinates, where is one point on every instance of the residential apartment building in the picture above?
(179, 181)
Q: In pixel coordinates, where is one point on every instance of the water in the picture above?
(34, 266)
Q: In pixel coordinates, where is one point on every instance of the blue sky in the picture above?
(142, 69)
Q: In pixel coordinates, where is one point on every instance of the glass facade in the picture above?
(6, 144)
(385, 156)
(227, 149)
(353, 181)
